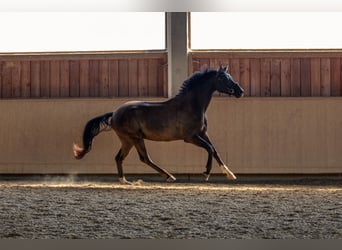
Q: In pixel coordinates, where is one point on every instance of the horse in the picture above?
(179, 118)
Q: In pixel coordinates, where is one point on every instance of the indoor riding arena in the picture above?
(282, 140)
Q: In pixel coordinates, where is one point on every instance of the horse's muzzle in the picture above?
(239, 95)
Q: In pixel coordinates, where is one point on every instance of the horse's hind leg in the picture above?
(121, 155)
(144, 157)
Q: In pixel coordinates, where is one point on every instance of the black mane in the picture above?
(195, 80)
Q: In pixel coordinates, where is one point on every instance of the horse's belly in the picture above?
(161, 135)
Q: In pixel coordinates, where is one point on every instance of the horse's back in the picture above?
(124, 115)
(149, 120)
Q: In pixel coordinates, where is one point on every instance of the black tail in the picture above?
(92, 129)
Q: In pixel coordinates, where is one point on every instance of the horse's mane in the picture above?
(194, 80)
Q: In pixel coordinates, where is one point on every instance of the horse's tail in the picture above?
(92, 129)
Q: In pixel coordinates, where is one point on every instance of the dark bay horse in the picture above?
(179, 118)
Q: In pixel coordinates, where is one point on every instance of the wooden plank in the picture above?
(305, 77)
(35, 79)
(74, 78)
(265, 77)
(7, 80)
(1, 63)
(341, 76)
(204, 64)
(190, 64)
(215, 63)
(123, 78)
(295, 77)
(25, 79)
(159, 78)
(165, 80)
(225, 62)
(84, 78)
(93, 78)
(245, 76)
(275, 77)
(285, 77)
(315, 77)
(325, 77)
(45, 79)
(64, 77)
(234, 69)
(104, 78)
(143, 77)
(163, 87)
(54, 79)
(153, 77)
(255, 77)
(16, 86)
(113, 90)
(133, 78)
(196, 66)
(335, 76)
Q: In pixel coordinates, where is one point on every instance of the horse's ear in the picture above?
(224, 69)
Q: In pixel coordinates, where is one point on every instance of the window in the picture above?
(266, 30)
(81, 31)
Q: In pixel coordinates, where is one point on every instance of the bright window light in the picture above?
(81, 31)
(266, 30)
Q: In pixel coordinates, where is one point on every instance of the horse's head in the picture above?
(226, 84)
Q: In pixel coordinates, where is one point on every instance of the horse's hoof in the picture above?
(171, 178)
(230, 175)
(123, 181)
(206, 176)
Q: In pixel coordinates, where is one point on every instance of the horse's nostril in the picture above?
(240, 94)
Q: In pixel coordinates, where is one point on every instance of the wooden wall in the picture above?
(83, 75)
(278, 73)
(261, 73)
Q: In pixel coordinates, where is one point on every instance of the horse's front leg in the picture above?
(224, 168)
(123, 181)
(201, 142)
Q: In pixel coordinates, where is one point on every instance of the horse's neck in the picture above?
(199, 102)
(205, 103)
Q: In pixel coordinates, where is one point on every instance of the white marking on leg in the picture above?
(225, 170)
(123, 181)
(206, 176)
(171, 178)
